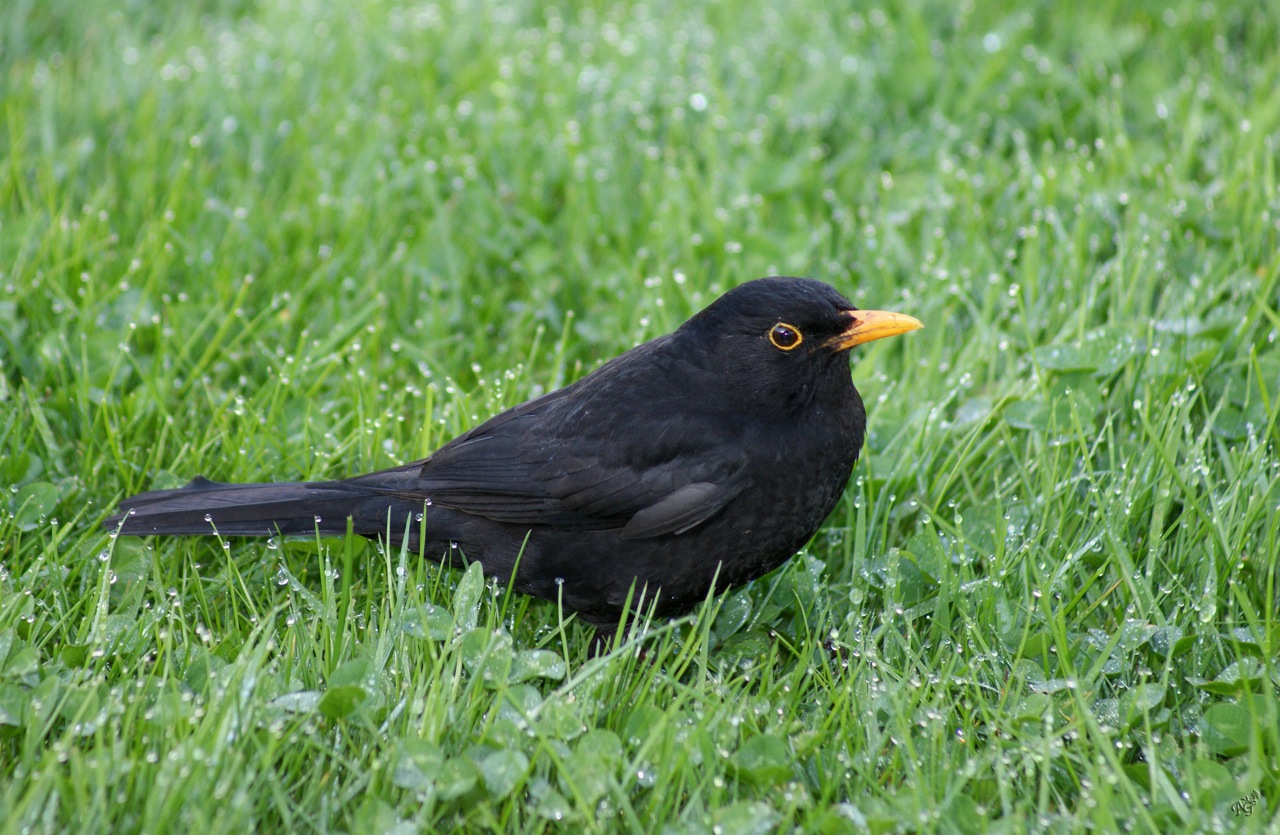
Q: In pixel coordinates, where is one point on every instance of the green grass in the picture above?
(283, 240)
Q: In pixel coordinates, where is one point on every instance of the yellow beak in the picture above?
(866, 325)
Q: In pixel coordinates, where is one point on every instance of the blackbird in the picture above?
(706, 456)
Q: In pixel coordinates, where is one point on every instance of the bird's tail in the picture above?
(206, 507)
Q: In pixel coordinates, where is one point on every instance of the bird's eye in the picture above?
(785, 337)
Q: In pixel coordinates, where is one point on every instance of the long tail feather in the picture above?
(206, 507)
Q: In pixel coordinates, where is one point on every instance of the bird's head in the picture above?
(786, 340)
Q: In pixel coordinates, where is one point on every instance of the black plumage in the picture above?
(711, 453)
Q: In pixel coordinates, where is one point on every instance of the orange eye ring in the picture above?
(785, 337)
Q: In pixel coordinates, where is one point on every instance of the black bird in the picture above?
(711, 454)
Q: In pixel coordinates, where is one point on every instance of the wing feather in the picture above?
(553, 462)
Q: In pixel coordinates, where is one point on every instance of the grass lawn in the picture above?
(292, 239)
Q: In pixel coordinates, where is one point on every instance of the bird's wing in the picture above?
(680, 510)
(530, 466)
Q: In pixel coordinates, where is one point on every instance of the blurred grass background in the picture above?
(283, 240)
